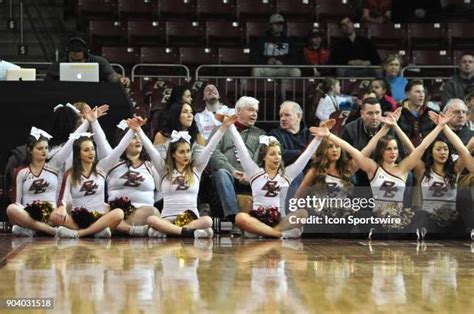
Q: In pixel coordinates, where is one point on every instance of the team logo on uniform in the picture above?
(389, 188)
(181, 182)
(39, 186)
(133, 178)
(332, 189)
(272, 188)
(439, 189)
(90, 187)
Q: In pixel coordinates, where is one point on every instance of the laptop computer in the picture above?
(79, 72)
(21, 75)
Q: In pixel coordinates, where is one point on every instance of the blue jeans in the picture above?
(224, 182)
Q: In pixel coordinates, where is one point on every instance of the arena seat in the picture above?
(95, 10)
(427, 36)
(332, 10)
(461, 36)
(126, 56)
(234, 56)
(296, 10)
(388, 36)
(106, 33)
(252, 10)
(146, 33)
(184, 33)
(176, 10)
(215, 10)
(224, 34)
(137, 9)
(254, 30)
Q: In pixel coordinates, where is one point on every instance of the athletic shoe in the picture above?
(250, 235)
(106, 233)
(235, 231)
(203, 233)
(153, 233)
(22, 231)
(138, 231)
(64, 232)
(294, 233)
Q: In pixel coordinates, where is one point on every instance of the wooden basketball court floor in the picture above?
(238, 275)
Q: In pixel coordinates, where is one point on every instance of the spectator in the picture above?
(415, 121)
(205, 119)
(78, 51)
(4, 66)
(391, 67)
(454, 88)
(316, 51)
(382, 91)
(276, 48)
(458, 123)
(376, 11)
(470, 106)
(228, 175)
(353, 49)
(328, 103)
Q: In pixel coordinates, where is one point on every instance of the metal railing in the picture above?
(418, 68)
(146, 71)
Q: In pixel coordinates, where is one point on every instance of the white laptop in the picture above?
(79, 72)
(21, 75)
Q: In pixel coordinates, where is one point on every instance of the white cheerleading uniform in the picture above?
(333, 189)
(267, 191)
(437, 194)
(90, 192)
(387, 188)
(178, 196)
(136, 183)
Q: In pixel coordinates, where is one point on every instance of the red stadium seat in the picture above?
(144, 9)
(299, 31)
(176, 10)
(461, 36)
(146, 33)
(427, 36)
(332, 10)
(106, 33)
(254, 30)
(159, 55)
(195, 56)
(388, 36)
(234, 56)
(125, 56)
(383, 53)
(215, 10)
(184, 33)
(254, 10)
(431, 57)
(95, 10)
(295, 10)
(224, 34)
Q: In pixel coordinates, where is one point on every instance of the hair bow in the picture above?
(123, 124)
(75, 136)
(266, 140)
(37, 133)
(176, 136)
(67, 105)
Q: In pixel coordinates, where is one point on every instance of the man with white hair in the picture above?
(455, 87)
(458, 122)
(206, 120)
(228, 175)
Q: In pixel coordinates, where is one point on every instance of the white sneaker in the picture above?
(153, 233)
(203, 233)
(250, 235)
(64, 232)
(294, 233)
(106, 233)
(138, 231)
(22, 231)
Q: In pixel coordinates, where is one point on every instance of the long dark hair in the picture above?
(174, 124)
(262, 151)
(64, 123)
(77, 169)
(321, 165)
(30, 144)
(381, 146)
(450, 173)
(171, 163)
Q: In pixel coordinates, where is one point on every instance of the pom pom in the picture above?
(124, 204)
(184, 218)
(444, 215)
(40, 210)
(394, 210)
(268, 215)
(84, 218)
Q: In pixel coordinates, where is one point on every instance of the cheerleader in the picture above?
(83, 189)
(387, 175)
(270, 181)
(180, 176)
(36, 187)
(131, 186)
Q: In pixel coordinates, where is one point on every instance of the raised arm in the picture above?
(157, 159)
(103, 146)
(205, 154)
(249, 166)
(307, 182)
(411, 160)
(62, 155)
(363, 162)
(463, 151)
(293, 170)
(108, 162)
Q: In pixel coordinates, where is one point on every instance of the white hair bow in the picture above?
(266, 140)
(67, 105)
(176, 136)
(75, 136)
(37, 133)
(123, 124)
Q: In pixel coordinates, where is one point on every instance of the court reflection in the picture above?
(241, 275)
